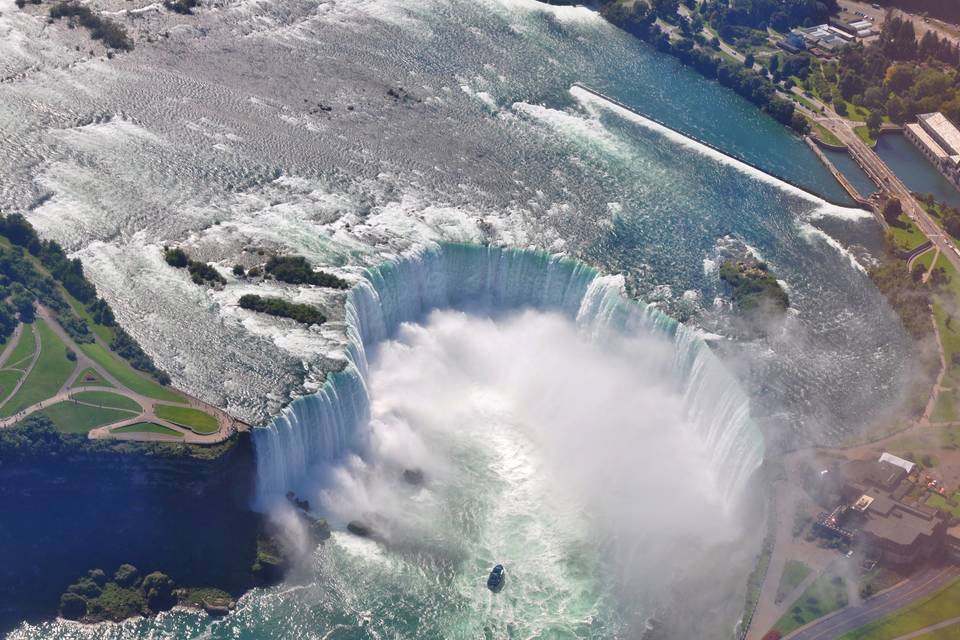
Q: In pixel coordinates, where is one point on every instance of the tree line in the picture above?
(22, 284)
(640, 21)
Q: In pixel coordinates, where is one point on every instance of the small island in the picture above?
(755, 289)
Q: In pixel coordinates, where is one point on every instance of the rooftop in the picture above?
(906, 465)
(927, 141)
(873, 473)
(942, 130)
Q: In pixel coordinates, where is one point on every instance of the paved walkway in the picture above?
(226, 424)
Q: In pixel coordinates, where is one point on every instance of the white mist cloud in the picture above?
(535, 439)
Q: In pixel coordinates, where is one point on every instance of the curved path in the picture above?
(226, 425)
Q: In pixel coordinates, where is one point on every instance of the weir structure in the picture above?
(860, 202)
(317, 430)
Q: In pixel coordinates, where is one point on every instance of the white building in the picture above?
(939, 140)
(898, 461)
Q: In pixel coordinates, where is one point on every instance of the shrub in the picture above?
(304, 313)
(85, 587)
(297, 270)
(72, 606)
(112, 34)
(176, 258)
(238, 270)
(158, 588)
(126, 575)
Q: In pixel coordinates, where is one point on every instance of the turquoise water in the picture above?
(502, 133)
(848, 167)
(915, 170)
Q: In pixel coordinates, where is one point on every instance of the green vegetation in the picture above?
(49, 374)
(184, 7)
(828, 593)
(34, 269)
(112, 34)
(743, 28)
(931, 610)
(24, 349)
(127, 376)
(94, 599)
(200, 272)
(864, 134)
(304, 313)
(906, 235)
(297, 270)
(8, 382)
(36, 438)
(909, 297)
(147, 427)
(107, 399)
(825, 134)
(754, 288)
(897, 78)
(878, 579)
(952, 507)
(70, 417)
(89, 377)
(197, 421)
(794, 572)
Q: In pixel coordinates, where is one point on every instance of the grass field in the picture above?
(828, 593)
(70, 417)
(824, 134)
(23, 350)
(109, 400)
(938, 607)
(47, 376)
(8, 381)
(128, 376)
(197, 421)
(864, 134)
(907, 237)
(147, 427)
(939, 502)
(794, 572)
(90, 378)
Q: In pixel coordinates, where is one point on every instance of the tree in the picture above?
(126, 575)
(899, 77)
(72, 606)
(158, 588)
(841, 108)
(665, 8)
(774, 63)
(874, 121)
(892, 210)
(238, 270)
(748, 61)
(896, 109)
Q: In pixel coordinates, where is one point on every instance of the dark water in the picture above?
(848, 167)
(915, 170)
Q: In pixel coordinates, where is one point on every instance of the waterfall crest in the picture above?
(320, 428)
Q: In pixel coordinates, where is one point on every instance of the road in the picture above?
(881, 174)
(846, 620)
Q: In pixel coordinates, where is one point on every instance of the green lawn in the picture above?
(24, 350)
(51, 372)
(945, 410)
(90, 378)
(8, 380)
(107, 399)
(864, 134)
(939, 502)
(828, 593)
(70, 417)
(147, 427)
(907, 237)
(127, 375)
(197, 421)
(825, 134)
(794, 572)
(935, 608)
